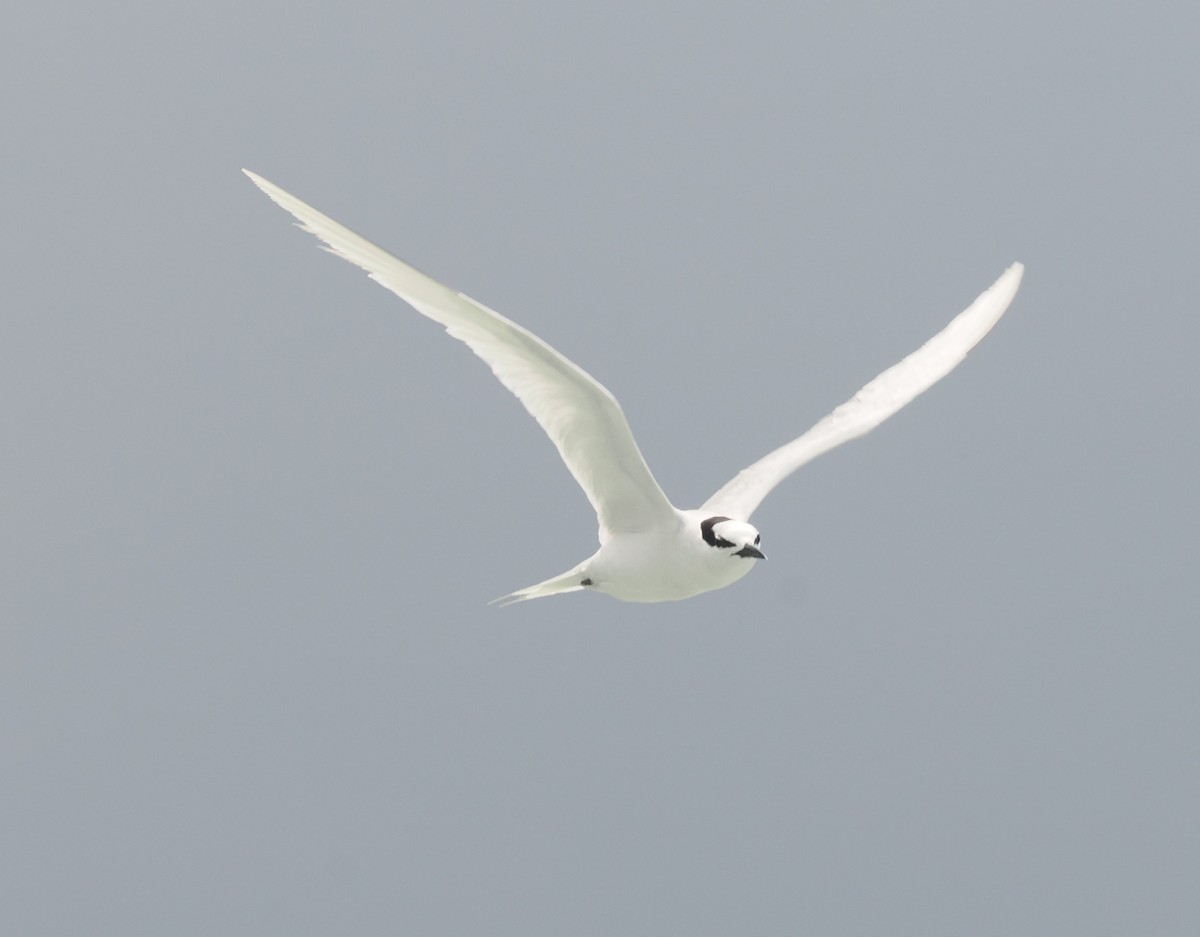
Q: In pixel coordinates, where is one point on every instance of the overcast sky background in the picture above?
(253, 505)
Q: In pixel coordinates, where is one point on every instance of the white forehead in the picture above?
(737, 531)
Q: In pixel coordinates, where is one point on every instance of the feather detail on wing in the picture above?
(581, 417)
(878, 400)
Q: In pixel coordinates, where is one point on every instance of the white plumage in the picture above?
(650, 551)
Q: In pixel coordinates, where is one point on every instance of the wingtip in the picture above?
(259, 181)
(993, 302)
(1009, 282)
(1011, 277)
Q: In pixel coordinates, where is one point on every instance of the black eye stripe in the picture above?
(706, 531)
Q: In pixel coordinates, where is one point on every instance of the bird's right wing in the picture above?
(580, 415)
(889, 392)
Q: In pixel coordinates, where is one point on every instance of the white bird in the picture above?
(650, 551)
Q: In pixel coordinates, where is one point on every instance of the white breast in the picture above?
(664, 565)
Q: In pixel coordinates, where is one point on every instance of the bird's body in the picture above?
(650, 551)
(665, 562)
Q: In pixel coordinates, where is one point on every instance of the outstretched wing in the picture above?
(581, 417)
(889, 392)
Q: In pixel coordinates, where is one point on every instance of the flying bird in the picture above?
(650, 551)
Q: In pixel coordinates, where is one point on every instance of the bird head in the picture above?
(738, 537)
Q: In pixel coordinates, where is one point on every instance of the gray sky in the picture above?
(254, 505)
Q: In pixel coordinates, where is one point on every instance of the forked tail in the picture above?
(570, 581)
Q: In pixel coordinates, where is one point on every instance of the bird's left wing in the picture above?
(580, 415)
(889, 392)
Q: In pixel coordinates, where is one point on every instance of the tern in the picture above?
(650, 551)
